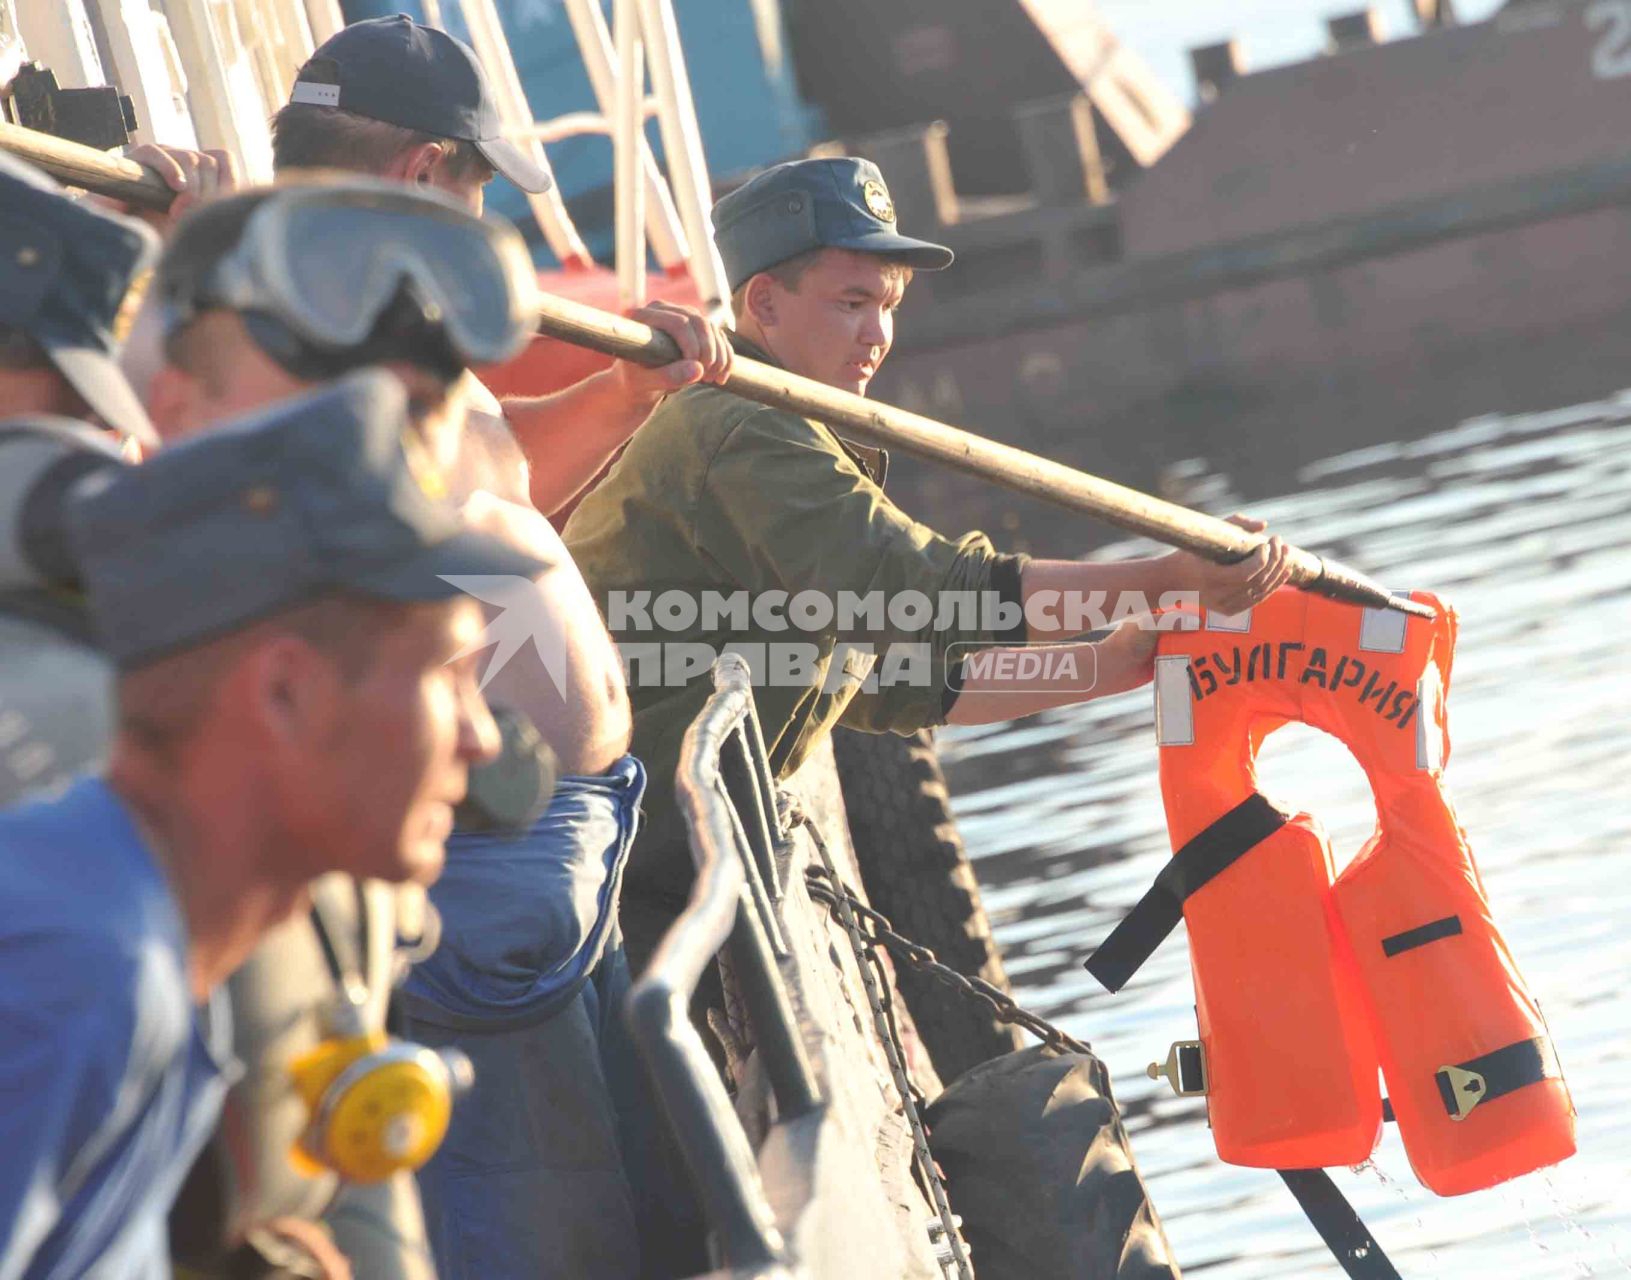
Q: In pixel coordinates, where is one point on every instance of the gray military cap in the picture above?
(329, 492)
(64, 271)
(837, 203)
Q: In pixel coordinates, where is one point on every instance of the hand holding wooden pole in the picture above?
(77, 165)
(865, 420)
(881, 424)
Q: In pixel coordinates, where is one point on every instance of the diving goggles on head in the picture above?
(329, 264)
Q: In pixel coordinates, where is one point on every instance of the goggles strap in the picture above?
(424, 344)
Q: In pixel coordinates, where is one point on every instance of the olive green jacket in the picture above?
(715, 494)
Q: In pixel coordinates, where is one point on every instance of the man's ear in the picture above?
(761, 300)
(292, 691)
(417, 165)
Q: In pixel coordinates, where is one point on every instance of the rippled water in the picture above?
(1524, 524)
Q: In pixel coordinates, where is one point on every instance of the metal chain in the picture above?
(826, 889)
(883, 1019)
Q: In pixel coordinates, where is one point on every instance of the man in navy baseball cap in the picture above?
(396, 71)
(394, 99)
(65, 268)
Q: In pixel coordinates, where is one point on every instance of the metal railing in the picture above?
(728, 800)
(211, 72)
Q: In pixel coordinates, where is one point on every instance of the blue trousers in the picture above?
(529, 980)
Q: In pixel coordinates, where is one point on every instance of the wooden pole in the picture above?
(865, 420)
(881, 424)
(77, 165)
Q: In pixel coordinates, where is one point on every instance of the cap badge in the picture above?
(261, 500)
(878, 201)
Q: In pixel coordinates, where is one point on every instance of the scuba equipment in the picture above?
(1306, 982)
(330, 277)
(377, 1105)
(251, 1172)
(511, 791)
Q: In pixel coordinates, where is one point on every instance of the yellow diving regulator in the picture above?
(375, 1105)
(329, 1105)
(378, 1105)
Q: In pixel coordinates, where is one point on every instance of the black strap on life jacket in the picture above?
(1157, 913)
(1348, 1239)
(1462, 1087)
(1148, 924)
(1433, 931)
(1493, 1075)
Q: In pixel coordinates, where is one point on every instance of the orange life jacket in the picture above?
(1306, 981)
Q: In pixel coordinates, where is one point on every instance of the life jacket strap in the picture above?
(1157, 913)
(1421, 935)
(1348, 1239)
(1470, 1084)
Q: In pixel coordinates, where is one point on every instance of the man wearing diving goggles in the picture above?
(394, 99)
(259, 295)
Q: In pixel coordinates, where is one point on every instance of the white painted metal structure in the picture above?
(682, 145)
(210, 73)
(628, 124)
(487, 38)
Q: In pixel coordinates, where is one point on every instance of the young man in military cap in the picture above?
(390, 97)
(738, 507)
(290, 701)
(717, 497)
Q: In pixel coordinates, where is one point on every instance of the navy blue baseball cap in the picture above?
(65, 269)
(838, 203)
(415, 77)
(329, 492)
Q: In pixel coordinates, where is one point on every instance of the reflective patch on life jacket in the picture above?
(1174, 713)
(1429, 724)
(1237, 622)
(1382, 631)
